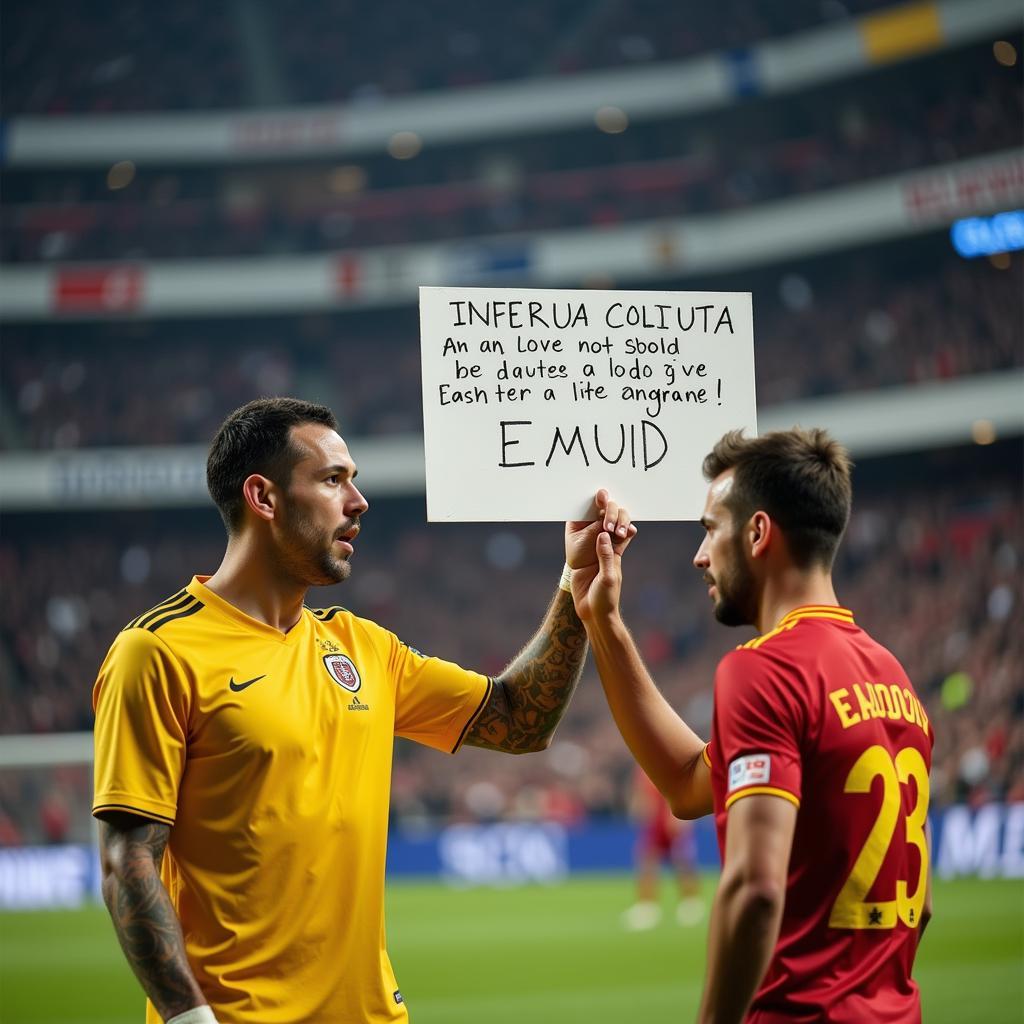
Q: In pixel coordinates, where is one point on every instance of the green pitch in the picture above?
(534, 955)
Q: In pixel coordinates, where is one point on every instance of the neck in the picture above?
(792, 588)
(253, 581)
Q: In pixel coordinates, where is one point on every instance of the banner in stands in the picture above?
(107, 289)
(987, 843)
(106, 477)
(948, 192)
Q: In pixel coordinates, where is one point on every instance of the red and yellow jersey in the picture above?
(817, 713)
(661, 832)
(269, 755)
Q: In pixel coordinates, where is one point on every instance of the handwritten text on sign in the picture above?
(532, 399)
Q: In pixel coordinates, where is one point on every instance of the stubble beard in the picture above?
(735, 592)
(308, 555)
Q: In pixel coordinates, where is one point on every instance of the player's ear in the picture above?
(760, 529)
(260, 494)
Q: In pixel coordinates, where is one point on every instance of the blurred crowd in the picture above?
(58, 59)
(932, 562)
(849, 323)
(949, 107)
(931, 566)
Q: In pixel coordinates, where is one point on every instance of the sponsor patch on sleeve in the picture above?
(750, 770)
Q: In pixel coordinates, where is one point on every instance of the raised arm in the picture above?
(529, 698)
(667, 749)
(131, 849)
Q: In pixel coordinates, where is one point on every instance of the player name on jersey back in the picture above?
(877, 700)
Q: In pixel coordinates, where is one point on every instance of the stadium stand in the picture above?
(57, 58)
(929, 569)
(470, 48)
(854, 322)
(933, 558)
(956, 105)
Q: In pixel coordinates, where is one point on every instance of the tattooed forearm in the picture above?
(147, 927)
(531, 695)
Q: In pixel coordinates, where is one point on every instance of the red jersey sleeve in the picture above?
(759, 723)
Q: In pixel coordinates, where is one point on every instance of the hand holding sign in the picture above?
(592, 551)
(533, 399)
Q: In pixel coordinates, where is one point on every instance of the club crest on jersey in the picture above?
(343, 672)
(751, 770)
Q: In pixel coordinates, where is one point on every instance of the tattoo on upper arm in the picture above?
(529, 697)
(144, 918)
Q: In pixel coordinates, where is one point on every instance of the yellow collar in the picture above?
(807, 611)
(817, 611)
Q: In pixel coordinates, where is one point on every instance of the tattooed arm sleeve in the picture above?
(131, 849)
(529, 698)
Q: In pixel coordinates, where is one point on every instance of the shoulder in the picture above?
(878, 652)
(794, 646)
(139, 658)
(172, 617)
(786, 636)
(330, 613)
(745, 662)
(341, 623)
(181, 605)
(134, 646)
(164, 634)
(765, 677)
(337, 620)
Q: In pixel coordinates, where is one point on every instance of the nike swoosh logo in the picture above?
(237, 687)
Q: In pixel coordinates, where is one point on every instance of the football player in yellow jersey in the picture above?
(244, 742)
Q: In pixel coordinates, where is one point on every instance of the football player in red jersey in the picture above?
(662, 839)
(817, 767)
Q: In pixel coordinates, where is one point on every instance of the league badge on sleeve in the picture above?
(750, 770)
(343, 672)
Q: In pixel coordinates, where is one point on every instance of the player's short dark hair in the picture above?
(801, 478)
(256, 439)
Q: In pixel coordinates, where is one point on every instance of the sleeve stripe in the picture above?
(170, 606)
(704, 754)
(197, 607)
(761, 791)
(476, 714)
(157, 608)
(132, 810)
(326, 614)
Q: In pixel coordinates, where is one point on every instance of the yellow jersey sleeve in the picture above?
(436, 701)
(141, 700)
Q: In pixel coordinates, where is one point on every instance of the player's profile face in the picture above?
(722, 560)
(320, 509)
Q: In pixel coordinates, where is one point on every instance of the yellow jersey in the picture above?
(269, 755)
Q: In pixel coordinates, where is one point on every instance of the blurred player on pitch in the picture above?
(663, 838)
(244, 742)
(817, 768)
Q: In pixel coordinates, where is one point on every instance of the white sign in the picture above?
(534, 398)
